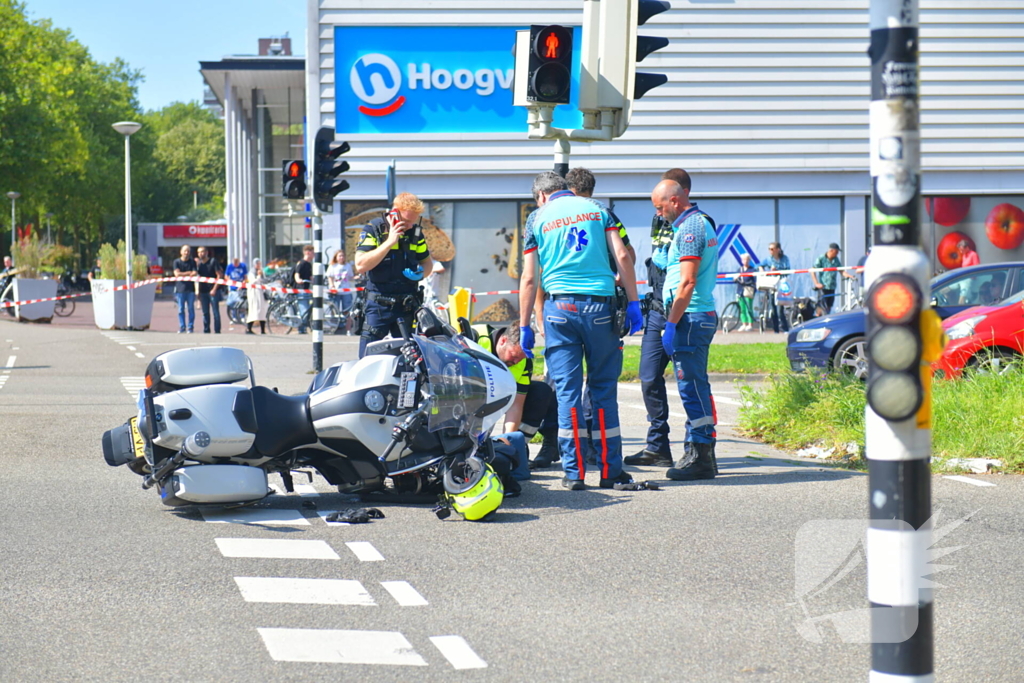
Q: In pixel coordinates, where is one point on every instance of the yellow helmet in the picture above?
(473, 489)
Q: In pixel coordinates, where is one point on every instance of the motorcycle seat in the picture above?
(283, 422)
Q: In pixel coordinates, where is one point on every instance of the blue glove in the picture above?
(668, 338)
(526, 340)
(634, 316)
(660, 258)
(414, 274)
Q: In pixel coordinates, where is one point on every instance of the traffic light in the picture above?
(894, 347)
(549, 77)
(641, 46)
(326, 169)
(293, 179)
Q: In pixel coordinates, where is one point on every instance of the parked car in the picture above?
(836, 341)
(984, 338)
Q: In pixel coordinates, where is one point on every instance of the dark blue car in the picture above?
(837, 340)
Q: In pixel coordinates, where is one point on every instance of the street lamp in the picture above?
(127, 129)
(13, 196)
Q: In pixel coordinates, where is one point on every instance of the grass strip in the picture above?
(979, 416)
(762, 358)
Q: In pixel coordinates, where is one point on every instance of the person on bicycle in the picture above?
(393, 253)
(745, 294)
(777, 260)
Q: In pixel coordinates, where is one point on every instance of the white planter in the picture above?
(25, 290)
(110, 308)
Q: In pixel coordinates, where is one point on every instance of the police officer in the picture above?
(570, 238)
(653, 358)
(393, 254)
(534, 409)
(690, 322)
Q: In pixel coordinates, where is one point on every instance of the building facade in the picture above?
(766, 106)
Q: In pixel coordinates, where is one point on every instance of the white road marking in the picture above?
(250, 516)
(10, 361)
(458, 652)
(404, 594)
(276, 548)
(3, 380)
(15, 348)
(365, 551)
(722, 399)
(340, 647)
(131, 348)
(133, 385)
(304, 591)
(306, 490)
(140, 355)
(968, 480)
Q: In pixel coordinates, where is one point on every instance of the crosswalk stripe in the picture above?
(252, 516)
(404, 594)
(340, 647)
(458, 652)
(365, 551)
(276, 548)
(304, 591)
(969, 480)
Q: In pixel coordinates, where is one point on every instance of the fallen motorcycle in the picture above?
(394, 422)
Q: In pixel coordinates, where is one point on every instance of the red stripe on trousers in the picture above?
(714, 415)
(604, 445)
(576, 435)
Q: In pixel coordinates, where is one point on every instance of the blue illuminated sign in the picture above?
(432, 79)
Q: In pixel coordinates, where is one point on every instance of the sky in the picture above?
(167, 39)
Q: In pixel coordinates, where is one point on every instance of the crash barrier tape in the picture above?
(721, 276)
(295, 290)
(209, 280)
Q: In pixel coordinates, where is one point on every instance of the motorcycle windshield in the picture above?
(460, 383)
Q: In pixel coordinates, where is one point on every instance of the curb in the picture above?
(736, 377)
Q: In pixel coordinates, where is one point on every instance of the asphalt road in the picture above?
(696, 582)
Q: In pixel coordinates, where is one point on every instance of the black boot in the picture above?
(697, 463)
(548, 454)
(646, 457)
(714, 458)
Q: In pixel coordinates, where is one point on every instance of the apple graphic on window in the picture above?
(1005, 226)
(948, 251)
(947, 211)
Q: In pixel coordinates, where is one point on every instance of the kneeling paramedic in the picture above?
(569, 238)
(690, 323)
(393, 254)
(534, 409)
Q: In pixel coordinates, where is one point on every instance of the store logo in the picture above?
(376, 80)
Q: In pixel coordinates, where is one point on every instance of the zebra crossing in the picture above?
(334, 646)
(7, 369)
(133, 385)
(126, 339)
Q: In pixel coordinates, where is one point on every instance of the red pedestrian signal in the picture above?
(550, 76)
(293, 179)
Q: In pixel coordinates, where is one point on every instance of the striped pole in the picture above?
(898, 450)
(318, 291)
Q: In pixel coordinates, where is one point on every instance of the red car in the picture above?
(986, 338)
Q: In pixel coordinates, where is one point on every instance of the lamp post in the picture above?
(13, 196)
(127, 129)
(48, 239)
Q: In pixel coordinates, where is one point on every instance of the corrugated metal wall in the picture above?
(755, 85)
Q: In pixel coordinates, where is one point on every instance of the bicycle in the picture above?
(284, 313)
(239, 308)
(63, 307)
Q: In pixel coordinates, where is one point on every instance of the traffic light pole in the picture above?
(898, 450)
(317, 322)
(562, 151)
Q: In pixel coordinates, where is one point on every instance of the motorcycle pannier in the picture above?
(196, 367)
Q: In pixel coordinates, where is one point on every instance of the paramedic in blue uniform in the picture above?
(393, 251)
(690, 323)
(567, 242)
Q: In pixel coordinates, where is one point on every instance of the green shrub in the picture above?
(112, 263)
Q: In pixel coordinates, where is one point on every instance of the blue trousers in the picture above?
(379, 320)
(206, 300)
(304, 301)
(575, 329)
(653, 361)
(518, 441)
(186, 300)
(690, 359)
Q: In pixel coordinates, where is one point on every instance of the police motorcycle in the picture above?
(415, 412)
